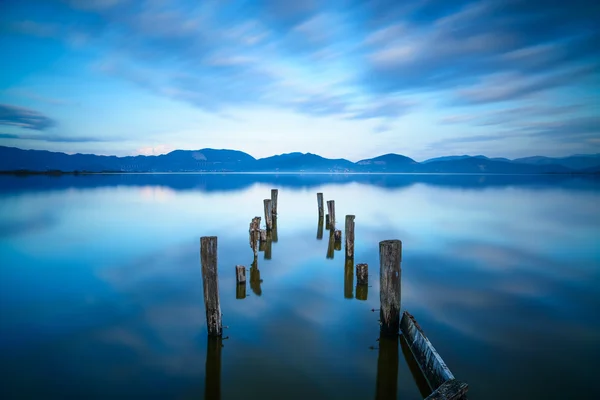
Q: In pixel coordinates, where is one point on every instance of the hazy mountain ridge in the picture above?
(212, 160)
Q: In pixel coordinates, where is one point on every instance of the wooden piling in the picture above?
(208, 258)
(390, 257)
(274, 236)
(268, 214)
(320, 229)
(262, 235)
(274, 194)
(387, 368)
(432, 366)
(362, 274)
(331, 210)
(212, 377)
(348, 279)
(349, 236)
(327, 222)
(320, 204)
(240, 274)
(254, 234)
(330, 246)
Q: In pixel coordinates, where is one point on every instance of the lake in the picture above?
(101, 289)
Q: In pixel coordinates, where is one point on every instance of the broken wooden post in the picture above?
(268, 214)
(331, 210)
(348, 279)
(350, 236)
(320, 229)
(432, 366)
(320, 204)
(212, 377)
(254, 235)
(255, 280)
(274, 193)
(208, 258)
(387, 368)
(390, 256)
(327, 222)
(240, 274)
(362, 274)
(330, 246)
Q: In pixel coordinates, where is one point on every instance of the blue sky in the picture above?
(340, 78)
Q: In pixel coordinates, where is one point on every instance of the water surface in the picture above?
(101, 290)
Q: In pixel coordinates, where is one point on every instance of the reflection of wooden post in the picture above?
(331, 210)
(212, 376)
(362, 292)
(387, 368)
(274, 193)
(390, 256)
(438, 375)
(320, 204)
(330, 245)
(240, 291)
(320, 229)
(327, 222)
(254, 234)
(240, 274)
(338, 235)
(262, 235)
(268, 245)
(255, 280)
(362, 281)
(274, 231)
(208, 257)
(350, 236)
(348, 278)
(268, 214)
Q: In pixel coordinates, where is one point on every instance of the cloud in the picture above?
(24, 118)
(55, 138)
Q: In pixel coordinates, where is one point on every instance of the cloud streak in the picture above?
(24, 118)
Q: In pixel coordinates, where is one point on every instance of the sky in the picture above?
(339, 78)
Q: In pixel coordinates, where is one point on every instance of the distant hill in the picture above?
(211, 160)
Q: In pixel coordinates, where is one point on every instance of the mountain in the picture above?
(389, 163)
(577, 161)
(211, 160)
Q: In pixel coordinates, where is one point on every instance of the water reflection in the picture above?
(274, 230)
(212, 380)
(330, 246)
(415, 370)
(320, 229)
(362, 292)
(348, 278)
(387, 369)
(255, 280)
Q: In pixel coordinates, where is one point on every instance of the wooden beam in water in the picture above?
(390, 257)
(208, 259)
(320, 204)
(268, 214)
(320, 229)
(350, 236)
(274, 194)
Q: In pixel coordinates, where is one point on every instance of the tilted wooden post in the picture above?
(274, 193)
(208, 257)
(320, 229)
(268, 214)
(350, 236)
(390, 257)
(320, 204)
(331, 210)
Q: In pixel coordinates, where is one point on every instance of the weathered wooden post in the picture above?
(240, 274)
(320, 204)
(390, 257)
(274, 194)
(330, 246)
(438, 375)
(254, 232)
(348, 278)
(212, 377)
(268, 214)
(362, 274)
(349, 236)
(337, 235)
(320, 229)
(387, 368)
(327, 222)
(255, 280)
(331, 210)
(208, 258)
(262, 235)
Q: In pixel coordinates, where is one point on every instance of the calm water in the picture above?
(101, 290)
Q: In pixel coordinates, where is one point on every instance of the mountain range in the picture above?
(211, 160)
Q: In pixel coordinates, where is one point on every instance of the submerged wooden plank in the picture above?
(451, 390)
(433, 367)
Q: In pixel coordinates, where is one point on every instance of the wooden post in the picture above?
(350, 236)
(330, 246)
(387, 368)
(451, 390)
(338, 235)
(431, 364)
(327, 222)
(320, 229)
(254, 235)
(208, 257)
(268, 214)
(274, 194)
(390, 256)
(320, 204)
(348, 279)
(255, 280)
(414, 368)
(262, 235)
(212, 377)
(331, 210)
(240, 274)
(362, 274)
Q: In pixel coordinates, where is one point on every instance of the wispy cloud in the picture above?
(24, 118)
(55, 138)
